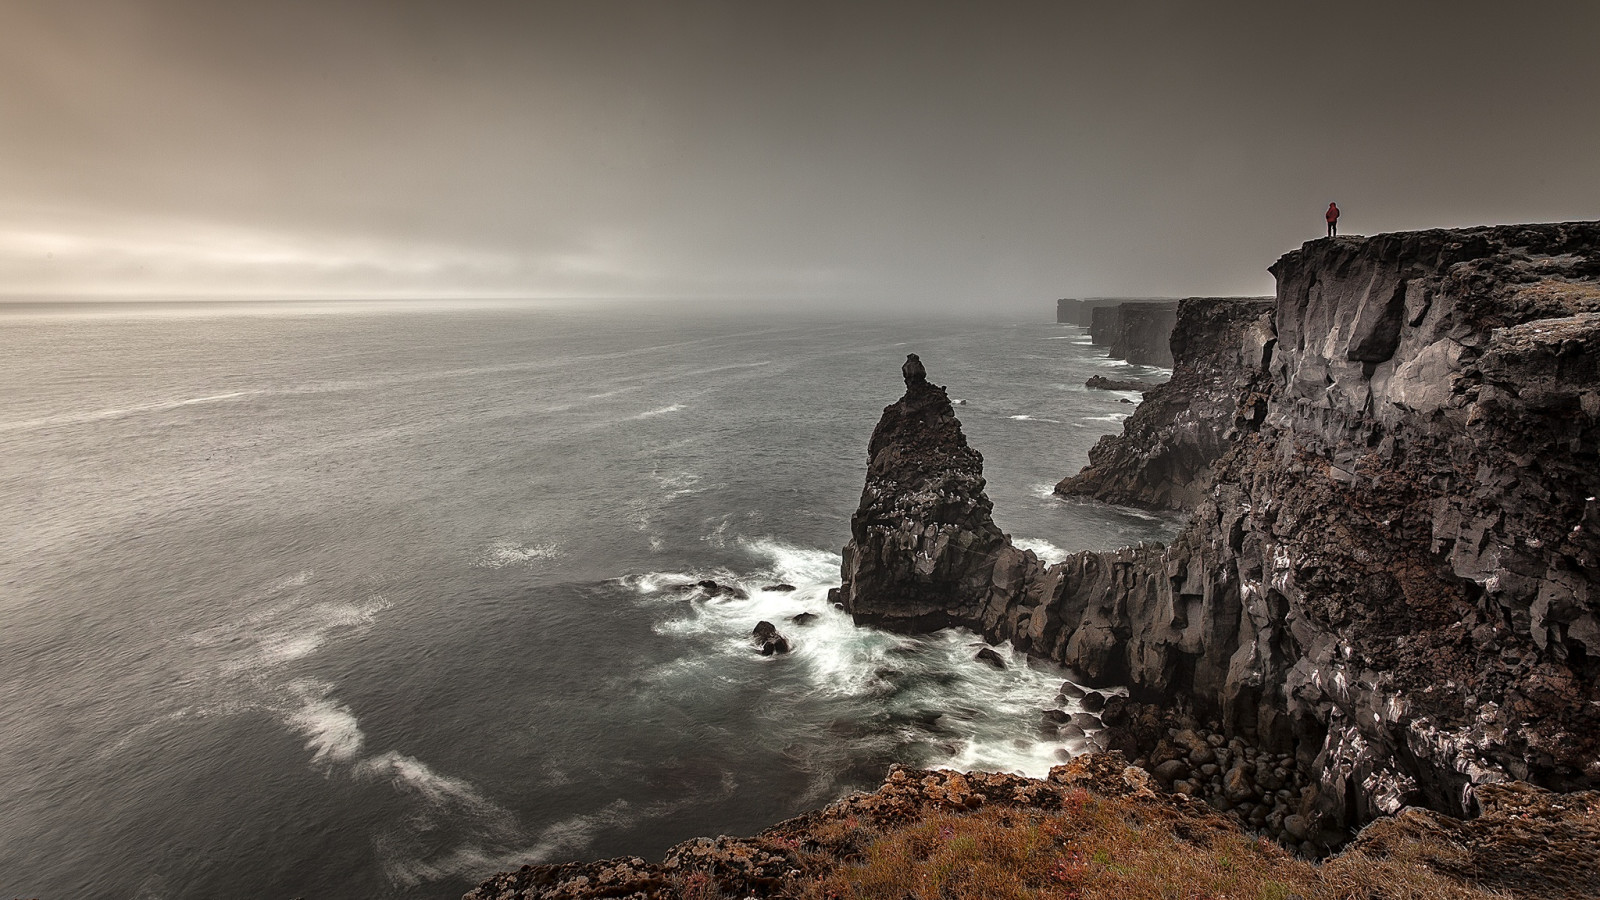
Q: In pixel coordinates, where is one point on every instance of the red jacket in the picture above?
(1333, 213)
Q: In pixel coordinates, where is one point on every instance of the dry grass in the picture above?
(1097, 847)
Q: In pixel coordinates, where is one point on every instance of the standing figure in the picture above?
(1333, 219)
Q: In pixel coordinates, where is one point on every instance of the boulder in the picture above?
(768, 640)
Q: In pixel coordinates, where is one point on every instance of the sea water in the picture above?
(374, 601)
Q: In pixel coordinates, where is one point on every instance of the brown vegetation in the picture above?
(1097, 828)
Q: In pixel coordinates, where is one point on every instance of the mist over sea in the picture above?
(373, 601)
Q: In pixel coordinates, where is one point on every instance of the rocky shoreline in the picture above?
(1389, 565)
(1096, 827)
(1382, 615)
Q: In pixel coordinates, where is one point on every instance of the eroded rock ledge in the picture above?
(1391, 560)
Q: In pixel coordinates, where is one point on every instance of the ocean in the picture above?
(374, 600)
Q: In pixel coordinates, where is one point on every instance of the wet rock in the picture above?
(782, 588)
(1056, 716)
(715, 589)
(1102, 383)
(805, 618)
(768, 640)
(987, 655)
(1093, 701)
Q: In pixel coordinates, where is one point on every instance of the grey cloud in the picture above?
(900, 152)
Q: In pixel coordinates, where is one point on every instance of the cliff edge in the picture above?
(1391, 563)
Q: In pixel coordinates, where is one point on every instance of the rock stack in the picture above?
(1391, 570)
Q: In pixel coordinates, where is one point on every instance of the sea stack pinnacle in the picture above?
(924, 549)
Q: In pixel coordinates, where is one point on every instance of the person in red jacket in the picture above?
(1333, 219)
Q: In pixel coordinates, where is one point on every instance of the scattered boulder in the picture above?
(987, 655)
(1102, 383)
(1170, 771)
(782, 588)
(1093, 701)
(714, 589)
(805, 618)
(768, 640)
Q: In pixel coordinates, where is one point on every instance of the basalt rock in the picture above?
(1222, 348)
(1102, 383)
(767, 639)
(924, 548)
(1137, 331)
(1391, 568)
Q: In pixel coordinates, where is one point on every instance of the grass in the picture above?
(1108, 847)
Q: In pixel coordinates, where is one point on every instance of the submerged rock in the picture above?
(768, 640)
(1102, 383)
(711, 588)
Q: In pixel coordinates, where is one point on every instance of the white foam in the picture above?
(1047, 552)
(412, 774)
(569, 836)
(659, 412)
(330, 728)
(993, 715)
(288, 631)
(509, 553)
(100, 415)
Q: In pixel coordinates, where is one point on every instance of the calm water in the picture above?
(376, 602)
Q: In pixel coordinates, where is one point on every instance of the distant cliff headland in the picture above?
(1378, 631)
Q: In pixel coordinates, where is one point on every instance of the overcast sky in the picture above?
(945, 153)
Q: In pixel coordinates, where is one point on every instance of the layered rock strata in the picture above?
(1163, 458)
(1390, 569)
(1137, 332)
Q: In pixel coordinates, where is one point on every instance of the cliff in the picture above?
(1137, 332)
(1389, 569)
(1163, 458)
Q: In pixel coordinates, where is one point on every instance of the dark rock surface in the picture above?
(709, 588)
(1163, 458)
(923, 542)
(990, 657)
(1138, 332)
(1081, 312)
(1102, 383)
(1390, 569)
(768, 640)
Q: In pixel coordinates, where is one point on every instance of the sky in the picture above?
(926, 154)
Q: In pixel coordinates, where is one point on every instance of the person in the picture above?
(1333, 219)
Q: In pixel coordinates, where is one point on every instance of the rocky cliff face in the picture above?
(1138, 332)
(923, 540)
(1163, 458)
(1391, 567)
